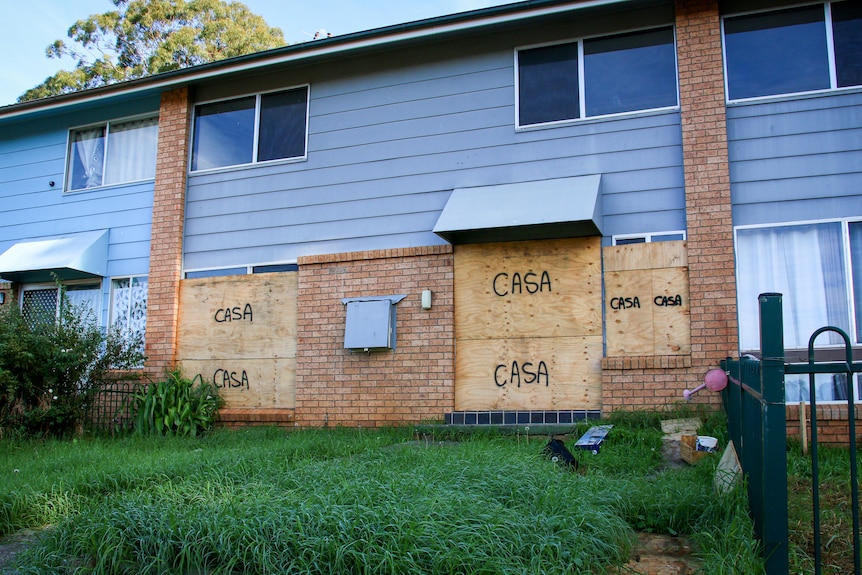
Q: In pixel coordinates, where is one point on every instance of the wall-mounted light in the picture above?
(426, 299)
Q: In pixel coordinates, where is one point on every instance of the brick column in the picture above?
(707, 182)
(166, 240)
(654, 382)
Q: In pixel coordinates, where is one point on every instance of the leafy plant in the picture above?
(177, 405)
(52, 367)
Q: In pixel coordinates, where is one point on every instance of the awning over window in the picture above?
(68, 257)
(562, 208)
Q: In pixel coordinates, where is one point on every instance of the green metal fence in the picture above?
(754, 402)
(757, 422)
(847, 368)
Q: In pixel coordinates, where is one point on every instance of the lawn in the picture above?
(361, 501)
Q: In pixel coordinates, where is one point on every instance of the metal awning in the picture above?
(68, 257)
(545, 209)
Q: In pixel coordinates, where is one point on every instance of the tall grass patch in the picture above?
(354, 501)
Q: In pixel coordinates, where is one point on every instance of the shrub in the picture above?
(51, 367)
(177, 405)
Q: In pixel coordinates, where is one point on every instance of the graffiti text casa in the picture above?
(635, 302)
(237, 313)
(230, 379)
(516, 284)
(517, 373)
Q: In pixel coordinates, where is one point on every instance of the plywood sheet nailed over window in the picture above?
(646, 256)
(240, 333)
(647, 308)
(528, 289)
(529, 374)
(249, 383)
(528, 325)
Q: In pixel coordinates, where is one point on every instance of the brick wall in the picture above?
(413, 383)
(712, 284)
(832, 423)
(166, 244)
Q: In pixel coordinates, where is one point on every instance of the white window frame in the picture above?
(581, 89)
(821, 343)
(650, 237)
(111, 315)
(256, 129)
(848, 270)
(248, 269)
(107, 126)
(830, 54)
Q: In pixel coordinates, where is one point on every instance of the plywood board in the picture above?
(546, 288)
(249, 316)
(671, 312)
(240, 333)
(647, 312)
(646, 256)
(249, 383)
(629, 313)
(529, 374)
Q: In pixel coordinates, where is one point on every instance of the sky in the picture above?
(31, 25)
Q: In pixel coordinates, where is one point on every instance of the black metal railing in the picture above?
(110, 408)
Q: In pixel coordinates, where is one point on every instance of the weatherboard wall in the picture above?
(33, 154)
(391, 135)
(796, 159)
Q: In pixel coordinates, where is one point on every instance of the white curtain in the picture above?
(87, 297)
(131, 154)
(827, 387)
(89, 146)
(804, 263)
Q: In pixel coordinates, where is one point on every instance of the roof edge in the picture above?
(388, 35)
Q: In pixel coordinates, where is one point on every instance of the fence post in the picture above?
(774, 433)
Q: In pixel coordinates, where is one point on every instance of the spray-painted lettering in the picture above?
(517, 284)
(668, 301)
(230, 379)
(238, 313)
(625, 302)
(526, 373)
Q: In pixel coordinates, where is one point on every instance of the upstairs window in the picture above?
(847, 39)
(791, 51)
(622, 73)
(112, 153)
(251, 129)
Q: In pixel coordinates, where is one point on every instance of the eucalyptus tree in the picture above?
(143, 37)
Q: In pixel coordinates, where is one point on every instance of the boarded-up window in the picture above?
(646, 299)
(528, 325)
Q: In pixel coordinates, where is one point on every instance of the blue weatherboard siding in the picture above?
(32, 154)
(796, 159)
(387, 144)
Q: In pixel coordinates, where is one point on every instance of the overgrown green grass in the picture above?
(836, 521)
(359, 501)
